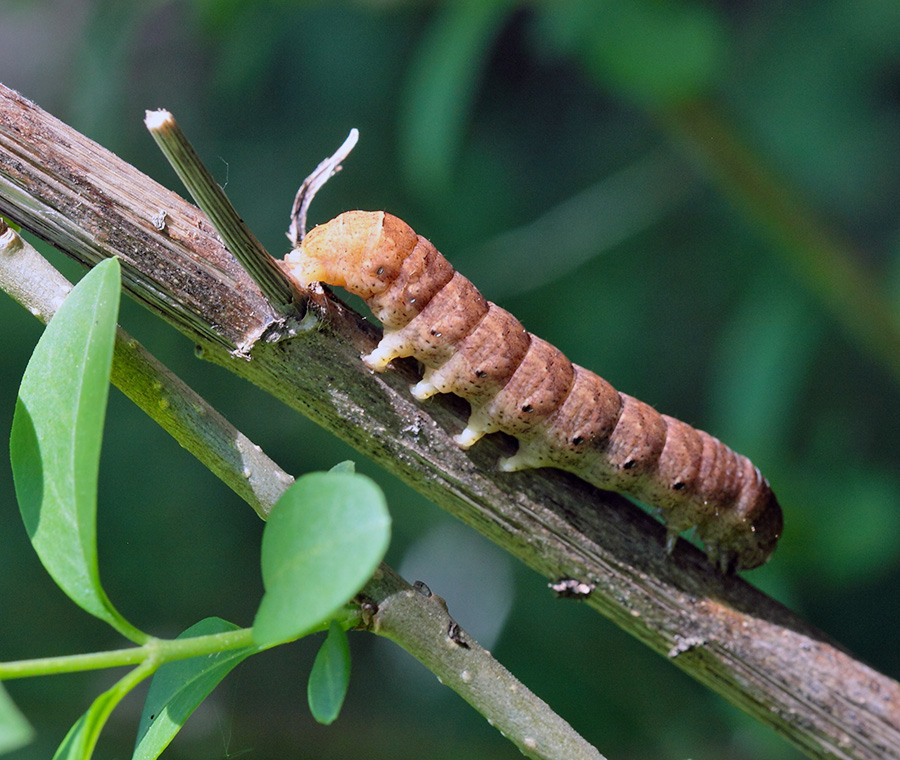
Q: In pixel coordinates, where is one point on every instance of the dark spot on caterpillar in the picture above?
(380, 271)
(535, 394)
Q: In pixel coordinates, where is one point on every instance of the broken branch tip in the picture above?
(158, 119)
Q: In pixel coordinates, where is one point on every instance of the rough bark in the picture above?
(756, 653)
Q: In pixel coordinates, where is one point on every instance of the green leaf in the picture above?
(56, 435)
(15, 731)
(329, 676)
(324, 540)
(348, 465)
(444, 76)
(82, 737)
(779, 336)
(179, 687)
(656, 53)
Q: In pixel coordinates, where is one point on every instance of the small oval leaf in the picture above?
(324, 540)
(329, 676)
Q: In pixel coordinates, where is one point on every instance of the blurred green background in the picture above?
(544, 148)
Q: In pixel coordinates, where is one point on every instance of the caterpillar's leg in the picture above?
(671, 539)
(723, 559)
(425, 388)
(727, 561)
(531, 454)
(393, 345)
(438, 380)
(677, 521)
(479, 425)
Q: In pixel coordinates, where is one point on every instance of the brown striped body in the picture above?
(562, 415)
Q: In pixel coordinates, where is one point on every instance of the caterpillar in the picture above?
(563, 415)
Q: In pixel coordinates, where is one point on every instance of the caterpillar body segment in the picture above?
(563, 415)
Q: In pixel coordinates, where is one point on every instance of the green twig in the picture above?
(156, 650)
(417, 620)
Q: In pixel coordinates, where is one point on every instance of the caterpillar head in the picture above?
(360, 251)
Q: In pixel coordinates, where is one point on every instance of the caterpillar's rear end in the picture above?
(563, 415)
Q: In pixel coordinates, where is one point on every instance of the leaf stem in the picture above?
(828, 265)
(155, 650)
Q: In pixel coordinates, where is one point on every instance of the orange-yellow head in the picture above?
(360, 251)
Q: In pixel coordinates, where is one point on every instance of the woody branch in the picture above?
(747, 647)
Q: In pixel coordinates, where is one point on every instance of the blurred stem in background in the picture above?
(828, 265)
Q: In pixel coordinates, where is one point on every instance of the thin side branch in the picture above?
(416, 619)
(411, 619)
(312, 184)
(212, 199)
(747, 647)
